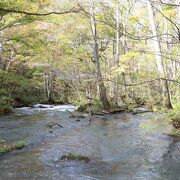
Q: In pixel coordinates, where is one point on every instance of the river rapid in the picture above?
(118, 146)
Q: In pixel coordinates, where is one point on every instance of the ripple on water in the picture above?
(117, 147)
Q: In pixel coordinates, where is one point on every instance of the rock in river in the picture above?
(72, 156)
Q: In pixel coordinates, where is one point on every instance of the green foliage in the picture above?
(169, 11)
(133, 19)
(129, 55)
(15, 86)
(30, 100)
(168, 7)
(64, 44)
(174, 115)
(5, 101)
(25, 4)
(6, 105)
(97, 103)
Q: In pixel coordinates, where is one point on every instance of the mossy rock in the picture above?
(72, 156)
(19, 145)
(5, 148)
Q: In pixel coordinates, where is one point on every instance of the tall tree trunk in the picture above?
(100, 83)
(178, 17)
(49, 89)
(116, 80)
(158, 55)
(124, 89)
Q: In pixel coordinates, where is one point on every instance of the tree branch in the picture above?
(144, 82)
(72, 10)
(166, 3)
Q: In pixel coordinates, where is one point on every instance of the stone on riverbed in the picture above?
(52, 124)
(71, 156)
(42, 106)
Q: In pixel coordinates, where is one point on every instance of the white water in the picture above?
(118, 147)
(46, 107)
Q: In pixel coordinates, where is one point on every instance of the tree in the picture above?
(158, 55)
(100, 83)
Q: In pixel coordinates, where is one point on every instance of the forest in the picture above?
(105, 57)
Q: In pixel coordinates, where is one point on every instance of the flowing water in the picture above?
(118, 147)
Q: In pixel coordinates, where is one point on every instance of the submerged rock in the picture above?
(5, 148)
(42, 106)
(72, 156)
(52, 124)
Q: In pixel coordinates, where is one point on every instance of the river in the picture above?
(117, 145)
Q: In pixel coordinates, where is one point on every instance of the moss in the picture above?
(72, 156)
(5, 148)
(19, 145)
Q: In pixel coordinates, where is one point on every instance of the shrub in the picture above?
(6, 105)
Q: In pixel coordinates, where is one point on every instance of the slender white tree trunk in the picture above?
(101, 87)
(158, 55)
(116, 83)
